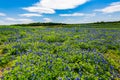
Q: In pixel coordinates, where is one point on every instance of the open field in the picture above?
(63, 53)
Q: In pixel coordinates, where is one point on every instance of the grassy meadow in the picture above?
(67, 52)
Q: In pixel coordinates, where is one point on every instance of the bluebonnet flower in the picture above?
(66, 68)
(96, 67)
(77, 78)
(111, 67)
(51, 61)
(59, 78)
(96, 74)
(33, 76)
(80, 73)
(30, 50)
(111, 72)
(99, 78)
(18, 40)
(68, 79)
(50, 67)
(96, 62)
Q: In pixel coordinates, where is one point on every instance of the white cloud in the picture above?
(79, 14)
(30, 15)
(2, 14)
(47, 20)
(3, 22)
(39, 10)
(25, 20)
(10, 19)
(115, 3)
(74, 14)
(61, 4)
(91, 15)
(49, 6)
(18, 20)
(113, 7)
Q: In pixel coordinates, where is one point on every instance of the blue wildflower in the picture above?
(77, 78)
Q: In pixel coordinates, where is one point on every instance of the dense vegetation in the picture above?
(28, 53)
(115, 24)
(41, 24)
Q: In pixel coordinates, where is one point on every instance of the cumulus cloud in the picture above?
(113, 7)
(30, 15)
(79, 14)
(2, 14)
(49, 6)
(39, 9)
(47, 20)
(60, 4)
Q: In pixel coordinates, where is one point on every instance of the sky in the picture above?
(60, 11)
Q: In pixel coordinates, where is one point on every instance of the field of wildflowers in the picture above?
(28, 53)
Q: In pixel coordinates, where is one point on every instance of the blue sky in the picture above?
(65, 11)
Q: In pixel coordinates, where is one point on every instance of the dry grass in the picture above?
(113, 58)
(0, 73)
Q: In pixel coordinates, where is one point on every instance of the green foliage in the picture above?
(59, 53)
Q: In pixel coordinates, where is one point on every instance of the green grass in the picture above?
(28, 53)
